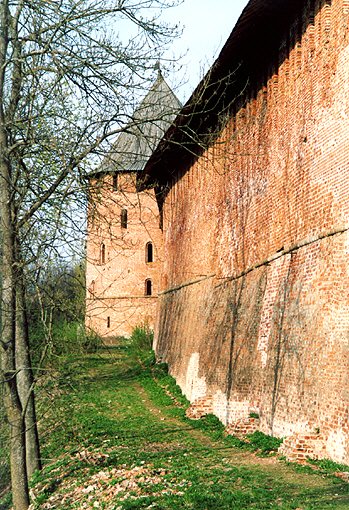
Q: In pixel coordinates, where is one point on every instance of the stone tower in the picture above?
(124, 238)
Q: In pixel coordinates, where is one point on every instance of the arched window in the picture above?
(149, 256)
(148, 287)
(102, 253)
(123, 218)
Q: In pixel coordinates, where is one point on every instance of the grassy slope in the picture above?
(116, 438)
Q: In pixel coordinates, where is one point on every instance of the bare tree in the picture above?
(68, 82)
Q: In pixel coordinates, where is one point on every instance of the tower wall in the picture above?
(117, 256)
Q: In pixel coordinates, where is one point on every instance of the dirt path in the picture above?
(123, 444)
(272, 465)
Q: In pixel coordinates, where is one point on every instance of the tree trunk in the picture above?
(25, 379)
(12, 402)
(19, 480)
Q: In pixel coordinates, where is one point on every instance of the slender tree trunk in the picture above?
(25, 379)
(12, 402)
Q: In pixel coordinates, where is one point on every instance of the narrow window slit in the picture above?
(123, 218)
(148, 287)
(102, 253)
(149, 254)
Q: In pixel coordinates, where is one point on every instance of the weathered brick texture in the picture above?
(243, 427)
(300, 447)
(199, 408)
(256, 311)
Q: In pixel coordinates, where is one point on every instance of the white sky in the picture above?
(206, 27)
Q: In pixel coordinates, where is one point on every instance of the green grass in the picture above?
(115, 435)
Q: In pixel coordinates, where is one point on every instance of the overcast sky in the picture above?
(206, 26)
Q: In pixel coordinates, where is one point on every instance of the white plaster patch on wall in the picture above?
(220, 406)
(343, 326)
(336, 445)
(236, 410)
(276, 272)
(195, 386)
(285, 428)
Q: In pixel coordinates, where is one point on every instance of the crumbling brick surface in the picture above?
(243, 427)
(200, 408)
(300, 447)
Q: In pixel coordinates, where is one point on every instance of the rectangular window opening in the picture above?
(123, 218)
(115, 182)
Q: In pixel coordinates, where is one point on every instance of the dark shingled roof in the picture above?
(150, 121)
(244, 63)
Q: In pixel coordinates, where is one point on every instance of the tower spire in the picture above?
(157, 68)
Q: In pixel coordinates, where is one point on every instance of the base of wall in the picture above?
(117, 317)
(300, 447)
(296, 448)
(243, 427)
(200, 408)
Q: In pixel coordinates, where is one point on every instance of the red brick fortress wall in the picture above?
(255, 316)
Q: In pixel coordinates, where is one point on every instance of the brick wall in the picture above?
(255, 315)
(116, 280)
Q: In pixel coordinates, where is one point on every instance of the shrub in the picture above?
(65, 339)
(263, 443)
(140, 345)
(91, 341)
(142, 338)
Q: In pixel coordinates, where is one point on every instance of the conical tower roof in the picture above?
(150, 121)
